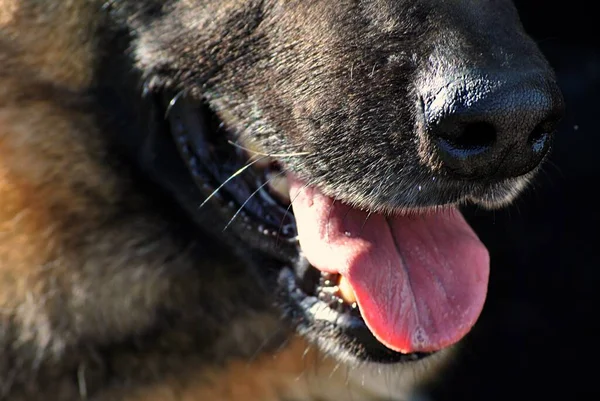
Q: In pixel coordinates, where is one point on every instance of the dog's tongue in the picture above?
(420, 281)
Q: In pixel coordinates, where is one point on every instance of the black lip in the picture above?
(355, 340)
(241, 209)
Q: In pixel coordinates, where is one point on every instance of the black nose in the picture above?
(494, 128)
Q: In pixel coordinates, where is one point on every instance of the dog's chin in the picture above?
(247, 192)
(503, 193)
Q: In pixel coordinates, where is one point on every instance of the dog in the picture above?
(253, 199)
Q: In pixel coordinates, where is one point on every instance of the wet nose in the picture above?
(493, 128)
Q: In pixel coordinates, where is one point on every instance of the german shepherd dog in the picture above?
(253, 199)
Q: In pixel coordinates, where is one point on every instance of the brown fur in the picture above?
(58, 224)
(292, 373)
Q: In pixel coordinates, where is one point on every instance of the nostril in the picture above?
(476, 135)
(540, 136)
(467, 140)
(483, 128)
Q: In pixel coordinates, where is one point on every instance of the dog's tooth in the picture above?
(346, 292)
(279, 185)
(330, 290)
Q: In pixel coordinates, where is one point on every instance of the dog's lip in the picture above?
(242, 211)
(189, 127)
(313, 317)
(243, 208)
(426, 194)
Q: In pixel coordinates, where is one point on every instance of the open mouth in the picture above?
(387, 288)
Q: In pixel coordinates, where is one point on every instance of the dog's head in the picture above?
(347, 133)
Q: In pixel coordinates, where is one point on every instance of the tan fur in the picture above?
(49, 180)
(7, 11)
(297, 372)
(58, 232)
(60, 44)
(265, 379)
(35, 152)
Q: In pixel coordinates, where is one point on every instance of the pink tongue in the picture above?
(420, 281)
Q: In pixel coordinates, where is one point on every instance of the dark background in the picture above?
(538, 337)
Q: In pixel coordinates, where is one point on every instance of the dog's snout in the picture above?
(493, 129)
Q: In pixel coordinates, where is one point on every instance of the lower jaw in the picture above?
(341, 333)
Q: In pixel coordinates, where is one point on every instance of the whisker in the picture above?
(238, 172)
(287, 210)
(346, 215)
(334, 369)
(250, 197)
(267, 154)
(269, 338)
(173, 101)
(329, 218)
(365, 222)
